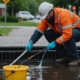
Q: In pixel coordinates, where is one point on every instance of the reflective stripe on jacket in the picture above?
(65, 20)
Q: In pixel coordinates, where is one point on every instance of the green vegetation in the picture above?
(32, 5)
(5, 31)
(19, 23)
(9, 18)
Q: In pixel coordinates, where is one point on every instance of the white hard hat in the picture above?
(44, 8)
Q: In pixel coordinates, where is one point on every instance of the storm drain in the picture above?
(11, 53)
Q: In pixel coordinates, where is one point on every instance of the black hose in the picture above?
(10, 74)
(31, 57)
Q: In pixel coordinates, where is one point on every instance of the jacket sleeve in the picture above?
(35, 37)
(66, 35)
(41, 28)
(43, 25)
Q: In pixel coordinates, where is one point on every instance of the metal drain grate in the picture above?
(11, 53)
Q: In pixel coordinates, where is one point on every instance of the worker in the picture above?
(61, 28)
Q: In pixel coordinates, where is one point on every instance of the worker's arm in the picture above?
(41, 28)
(36, 35)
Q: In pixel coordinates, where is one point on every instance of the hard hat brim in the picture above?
(43, 16)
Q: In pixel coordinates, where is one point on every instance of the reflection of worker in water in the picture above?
(61, 28)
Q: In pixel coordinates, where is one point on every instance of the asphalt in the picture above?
(20, 36)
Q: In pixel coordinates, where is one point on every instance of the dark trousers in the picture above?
(67, 49)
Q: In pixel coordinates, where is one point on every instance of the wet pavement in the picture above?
(52, 71)
(56, 71)
(20, 36)
(48, 70)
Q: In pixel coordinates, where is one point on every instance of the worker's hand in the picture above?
(51, 45)
(29, 46)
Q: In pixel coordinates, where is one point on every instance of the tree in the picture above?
(33, 6)
(1, 1)
(60, 3)
(17, 5)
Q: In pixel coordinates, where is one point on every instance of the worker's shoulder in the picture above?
(61, 10)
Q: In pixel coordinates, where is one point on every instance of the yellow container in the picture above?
(12, 72)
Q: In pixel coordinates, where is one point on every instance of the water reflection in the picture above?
(52, 71)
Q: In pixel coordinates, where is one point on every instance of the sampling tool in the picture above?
(15, 68)
(42, 58)
(18, 57)
(31, 57)
(26, 59)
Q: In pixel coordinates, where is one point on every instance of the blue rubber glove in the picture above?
(29, 46)
(51, 45)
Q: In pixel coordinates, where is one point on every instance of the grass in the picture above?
(4, 31)
(19, 23)
(7, 30)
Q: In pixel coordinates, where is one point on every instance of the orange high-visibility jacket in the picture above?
(64, 22)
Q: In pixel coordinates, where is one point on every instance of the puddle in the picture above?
(54, 71)
(51, 71)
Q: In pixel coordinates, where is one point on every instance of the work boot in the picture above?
(64, 59)
(73, 63)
